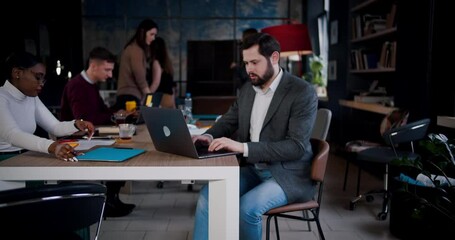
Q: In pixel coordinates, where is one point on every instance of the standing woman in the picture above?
(163, 73)
(132, 83)
(22, 111)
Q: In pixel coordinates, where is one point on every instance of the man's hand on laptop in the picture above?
(226, 144)
(203, 140)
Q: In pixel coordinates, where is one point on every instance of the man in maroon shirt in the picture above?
(81, 100)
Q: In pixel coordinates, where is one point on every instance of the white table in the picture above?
(222, 174)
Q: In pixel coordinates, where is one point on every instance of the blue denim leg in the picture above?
(254, 203)
(201, 227)
(259, 193)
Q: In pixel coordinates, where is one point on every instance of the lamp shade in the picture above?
(294, 39)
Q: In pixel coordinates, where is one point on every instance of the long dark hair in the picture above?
(161, 54)
(141, 30)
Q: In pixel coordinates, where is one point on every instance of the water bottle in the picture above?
(188, 108)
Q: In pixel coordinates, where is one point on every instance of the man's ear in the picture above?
(275, 57)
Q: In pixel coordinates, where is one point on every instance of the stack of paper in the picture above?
(108, 130)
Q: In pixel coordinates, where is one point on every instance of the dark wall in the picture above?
(441, 53)
(209, 73)
(337, 89)
(51, 32)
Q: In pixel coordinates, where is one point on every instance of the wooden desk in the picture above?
(370, 107)
(222, 174)
(446, 121)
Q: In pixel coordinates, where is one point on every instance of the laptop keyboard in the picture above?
(204, 150)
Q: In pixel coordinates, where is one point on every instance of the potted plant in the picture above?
(423, 196)
(316, 76)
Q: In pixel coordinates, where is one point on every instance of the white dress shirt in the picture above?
(261, 104)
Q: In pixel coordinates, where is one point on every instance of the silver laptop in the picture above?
(170, 134)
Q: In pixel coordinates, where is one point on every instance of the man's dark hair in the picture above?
(267, 43)
(248, 32)
(100, 53)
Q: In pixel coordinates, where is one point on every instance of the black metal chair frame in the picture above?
(51, 211)
(408, 133)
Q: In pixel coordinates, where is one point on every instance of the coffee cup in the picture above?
(119, 118)
(126, 131)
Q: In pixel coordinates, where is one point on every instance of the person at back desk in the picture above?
(22, 111)
(81, 100)
(162, 72)
(273, 117)
(132, 83)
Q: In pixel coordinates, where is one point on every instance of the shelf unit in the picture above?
(370, 107)
(373, 46)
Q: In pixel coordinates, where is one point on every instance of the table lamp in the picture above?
(293, 38)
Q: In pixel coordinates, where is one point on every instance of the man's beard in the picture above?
(267, 75)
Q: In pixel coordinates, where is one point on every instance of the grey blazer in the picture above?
(284, 140)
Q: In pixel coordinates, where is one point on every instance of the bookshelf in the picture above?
(372, 69)
(373, 48)
(373, 35)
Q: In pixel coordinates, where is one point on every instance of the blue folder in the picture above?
(110, 154)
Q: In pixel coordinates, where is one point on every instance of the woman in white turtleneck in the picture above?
(22, 111)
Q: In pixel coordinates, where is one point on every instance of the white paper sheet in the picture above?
(87, 144)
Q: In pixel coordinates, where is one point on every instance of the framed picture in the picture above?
(332, 70)
(334, 32)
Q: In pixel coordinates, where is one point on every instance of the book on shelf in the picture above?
(391, 16)
(374, 25)
(364, 59)
(388, 55)
(366, 24)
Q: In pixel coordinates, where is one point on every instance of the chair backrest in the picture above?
(410, 132)
(322, 124)
(51, 210)
(321, 154)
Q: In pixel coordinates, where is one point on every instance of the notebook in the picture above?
(110, 154)
(170, 133)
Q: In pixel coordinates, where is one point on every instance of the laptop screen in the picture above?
(169, 132)
(153, 99)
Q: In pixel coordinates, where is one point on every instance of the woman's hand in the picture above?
(63, 151)
(85, 126)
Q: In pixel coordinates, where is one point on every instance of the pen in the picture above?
(100, 138)
(90, 137)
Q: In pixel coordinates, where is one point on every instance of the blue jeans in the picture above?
(259, 192)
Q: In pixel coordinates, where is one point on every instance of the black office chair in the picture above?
(51, 211)
(321, 154)
(395, 139)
